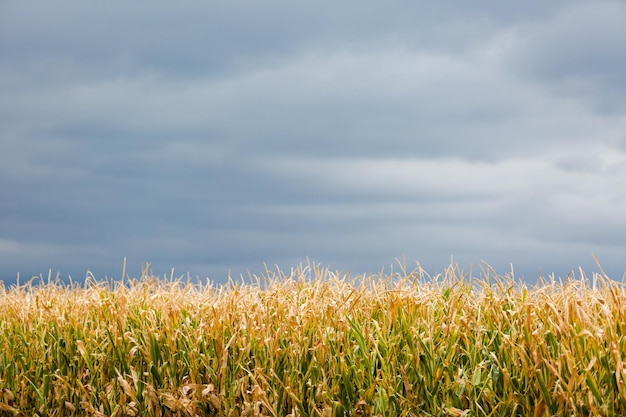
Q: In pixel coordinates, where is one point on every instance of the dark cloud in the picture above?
(577, 53)
(215, 137)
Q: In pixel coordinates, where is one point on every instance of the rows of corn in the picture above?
(312, 342)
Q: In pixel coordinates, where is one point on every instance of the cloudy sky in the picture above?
(211, 137)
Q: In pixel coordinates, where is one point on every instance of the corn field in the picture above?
(313, 342)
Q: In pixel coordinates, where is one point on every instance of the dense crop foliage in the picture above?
(315, 343)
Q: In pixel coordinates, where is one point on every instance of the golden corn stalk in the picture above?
(313, 342)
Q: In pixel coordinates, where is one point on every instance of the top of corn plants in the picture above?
(314, 342)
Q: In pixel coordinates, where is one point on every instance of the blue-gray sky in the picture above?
(211, 137)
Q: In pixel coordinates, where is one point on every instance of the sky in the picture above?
(218, 138)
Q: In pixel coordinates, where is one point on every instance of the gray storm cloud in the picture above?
(212, 138)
